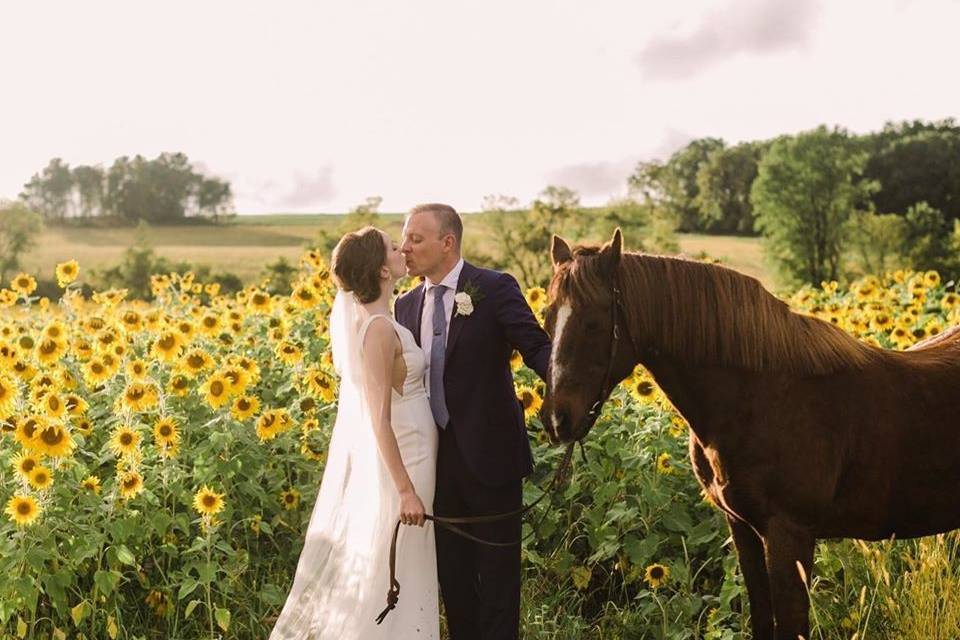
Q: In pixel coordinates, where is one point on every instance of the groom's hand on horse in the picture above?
(412, 510)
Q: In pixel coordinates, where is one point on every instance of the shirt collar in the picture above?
(451, 279)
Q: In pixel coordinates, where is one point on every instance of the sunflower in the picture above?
(25, 463)
(67, 272)
(516, 361)
(26, 431)
(530, 400)
(643, 389)
(137, 369)
(131, 321)
(178, 385)
(158, 601)
(54, 440)
(91, 483)
(41, 478)
(23, 510)
(83, 426)
(304, 296)
(167, 346)
(8, 395)
(949, 301)
(24, 284)
(212, 289)
(290, 499)
(882, 321)
(214, 391)
(245, 407)
(207, 502)
(678, 426)
(664, 464)
(130, 484)
(165, 433)
(657, 575)
(259, 302)
(536, 298)
(95, 372)
(138, 396)
(125, 441)
(53, 405)
(312, 441)
(272, 423)
(236, 378)
(210, 324)
(931, 279)
(288, 352)
(321, 385)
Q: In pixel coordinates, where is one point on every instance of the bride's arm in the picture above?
(379, 347)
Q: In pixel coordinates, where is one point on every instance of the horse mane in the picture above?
(710, 315)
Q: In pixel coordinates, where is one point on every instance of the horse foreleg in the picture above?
(785, 545)
(753, 566)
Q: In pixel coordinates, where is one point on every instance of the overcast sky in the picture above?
(313, 106)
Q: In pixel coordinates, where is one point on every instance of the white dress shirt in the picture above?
(426, 319)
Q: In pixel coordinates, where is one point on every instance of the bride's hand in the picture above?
(411, 509)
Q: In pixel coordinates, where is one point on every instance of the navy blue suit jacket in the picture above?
(485, 416)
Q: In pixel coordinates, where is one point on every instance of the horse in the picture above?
(798, 431)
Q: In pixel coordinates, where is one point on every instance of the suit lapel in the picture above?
(457, 321)
(417, 319)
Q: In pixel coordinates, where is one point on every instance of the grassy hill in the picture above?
(245, 244)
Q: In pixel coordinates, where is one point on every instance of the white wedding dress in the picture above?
(343, 574)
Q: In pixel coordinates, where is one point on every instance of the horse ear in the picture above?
(611, 252)
(560, 251)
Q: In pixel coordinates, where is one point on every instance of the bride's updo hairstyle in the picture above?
(357, 259)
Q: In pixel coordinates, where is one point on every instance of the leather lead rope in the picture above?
(450, 523)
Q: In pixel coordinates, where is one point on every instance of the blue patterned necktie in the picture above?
(438, 347)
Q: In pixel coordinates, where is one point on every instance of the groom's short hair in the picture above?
(446, 216)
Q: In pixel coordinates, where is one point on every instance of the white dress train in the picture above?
(343, 574)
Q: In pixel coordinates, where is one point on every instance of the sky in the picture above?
(315, 106)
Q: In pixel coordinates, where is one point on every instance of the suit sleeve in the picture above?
(523, 331)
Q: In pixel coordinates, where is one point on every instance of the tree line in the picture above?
(163, 190)
(884, 198)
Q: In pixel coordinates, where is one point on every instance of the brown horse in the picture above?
(798, 431)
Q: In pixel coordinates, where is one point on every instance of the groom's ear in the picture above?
(560, 251)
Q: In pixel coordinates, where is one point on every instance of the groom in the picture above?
(468, 320)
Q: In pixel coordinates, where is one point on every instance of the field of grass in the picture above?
(244, 245)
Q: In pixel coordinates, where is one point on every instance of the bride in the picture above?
(381, 467)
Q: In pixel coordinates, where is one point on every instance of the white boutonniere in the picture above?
(464, 300)
(464, 303)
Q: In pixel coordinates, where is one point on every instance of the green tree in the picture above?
(723, 189)
(916, 162)
(48, 192)
(927, 243)
(875, 241)
(363, 215)
(523, 237)
(89, 183)
(806, 188)
(19, 227)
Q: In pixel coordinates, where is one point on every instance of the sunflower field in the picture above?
(159, 461)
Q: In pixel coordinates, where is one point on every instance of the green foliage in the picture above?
(875, 241)
(916, 162)
(806, 189)
(928, 243)
(165, 189)
(362, 215)
(140, 261)
(280, 273)
(723, 182)
(19, 227)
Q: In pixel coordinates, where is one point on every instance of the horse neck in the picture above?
(703, 395)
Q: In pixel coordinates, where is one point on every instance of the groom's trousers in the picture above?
(480, 584)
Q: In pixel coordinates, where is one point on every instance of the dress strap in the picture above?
(366, 325)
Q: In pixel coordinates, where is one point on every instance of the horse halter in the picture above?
(616, 309)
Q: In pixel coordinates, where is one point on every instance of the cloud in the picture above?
(593, 178)
(309, 190)
(742, 26)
